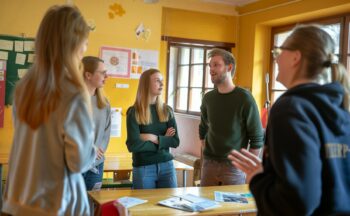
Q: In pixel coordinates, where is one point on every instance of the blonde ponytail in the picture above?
(339, 74)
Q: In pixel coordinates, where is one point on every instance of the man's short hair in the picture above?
(226, 56)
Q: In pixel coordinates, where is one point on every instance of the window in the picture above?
(337, 27)
(347, 43)
(188, 76)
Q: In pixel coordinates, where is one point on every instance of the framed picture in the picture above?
(117, 61)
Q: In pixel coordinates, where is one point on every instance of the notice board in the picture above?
(18, 52)
(2, 91)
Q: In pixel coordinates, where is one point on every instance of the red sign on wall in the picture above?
(2, 91)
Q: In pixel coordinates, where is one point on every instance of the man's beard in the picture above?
(219, 79)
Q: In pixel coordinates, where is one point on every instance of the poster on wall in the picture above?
(128, 62)
(116, 121)
(142, 60)
(117, 61)
(2, 91)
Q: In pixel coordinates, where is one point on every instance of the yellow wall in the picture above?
(198, 25)
(13, 21)
(254, 35)
(119, 32)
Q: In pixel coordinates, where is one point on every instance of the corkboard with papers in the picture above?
(18, 52)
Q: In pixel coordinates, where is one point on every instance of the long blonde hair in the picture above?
(60, 36)
(143, 101)
(317, 48)
(90, 64)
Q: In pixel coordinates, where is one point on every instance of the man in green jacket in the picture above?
(229, 120)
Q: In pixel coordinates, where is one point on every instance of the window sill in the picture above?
(188, 116)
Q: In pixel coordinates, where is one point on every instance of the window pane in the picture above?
(281, 37)
(197, 76)
(181, 99)
(208, 59)
(348, 64)
(171, 78)
(278, 41)
(182, 79)
(276, 94)
(198, 56)
(348, 51)
(334, 31)
(208, 90)
(208, 83)
(184, 55)
(195, 99)
(278, 85)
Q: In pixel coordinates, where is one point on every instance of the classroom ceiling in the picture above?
(232, 2)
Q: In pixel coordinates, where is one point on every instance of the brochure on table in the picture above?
(189, 202)
(231, 197)
(129, 202)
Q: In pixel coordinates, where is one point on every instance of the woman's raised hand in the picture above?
(249, 163)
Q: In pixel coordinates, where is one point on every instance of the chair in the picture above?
(193, 161)
(121, 179)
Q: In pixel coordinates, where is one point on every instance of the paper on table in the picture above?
(129, 202)
(97, 186)
(230, 197)
(189, 203)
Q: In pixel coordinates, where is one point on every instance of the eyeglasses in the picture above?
(277, 50)
(102, 72)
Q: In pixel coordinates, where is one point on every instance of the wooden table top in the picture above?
(121, 161)
(155, 195)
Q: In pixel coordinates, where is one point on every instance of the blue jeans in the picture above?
(91, 178)
(159, 175)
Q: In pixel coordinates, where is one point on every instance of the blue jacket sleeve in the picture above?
(133, 141)
(292, 167)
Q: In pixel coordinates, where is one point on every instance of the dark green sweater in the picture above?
(229, 121)
(146, 152)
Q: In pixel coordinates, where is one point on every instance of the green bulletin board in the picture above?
(13, 67)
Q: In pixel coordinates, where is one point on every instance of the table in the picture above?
(3, 161)
(155, 195)
(123, 162)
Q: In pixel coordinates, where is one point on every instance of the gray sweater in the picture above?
(45, 165)
(102, 120)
